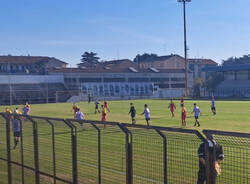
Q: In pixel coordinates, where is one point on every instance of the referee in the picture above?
(214, 150)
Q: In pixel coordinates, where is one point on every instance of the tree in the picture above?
(234, 60)
(145, 57)
(198, 83)
(213, 81)
(89, 59)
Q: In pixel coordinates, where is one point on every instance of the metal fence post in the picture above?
(99, 153)
(129, 156)
(7, 118)
(53, 149)
(22, 156)
(36, 151)
(74, 151)
(164, 155)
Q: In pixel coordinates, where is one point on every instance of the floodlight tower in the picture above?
(185, 43)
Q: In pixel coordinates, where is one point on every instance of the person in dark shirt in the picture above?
(132, 113)
(213, 165)
(16, 128)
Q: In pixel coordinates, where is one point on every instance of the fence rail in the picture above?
(53, 150)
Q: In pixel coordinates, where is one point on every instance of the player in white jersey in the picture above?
(197, 113)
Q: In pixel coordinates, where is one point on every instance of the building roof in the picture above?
(161, 58)
(202, 61)
(227, 68)
(27, 59)
(115, 66)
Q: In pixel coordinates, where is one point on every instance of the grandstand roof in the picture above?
(112, 70)
(202, 61)
(27, 59)
(228, 68)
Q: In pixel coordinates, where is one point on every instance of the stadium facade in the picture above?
(46, 79)
(235, 80)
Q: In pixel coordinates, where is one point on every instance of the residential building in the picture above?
(28, 64)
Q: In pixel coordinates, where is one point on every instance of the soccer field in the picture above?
(231, 115)
(147, 144)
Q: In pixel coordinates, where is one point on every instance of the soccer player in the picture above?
(213, 109)
(146, 113)
(106, 105)
(104, 115)
(172, 107)
(8, 110)
(16, 111)
(16, 128)
(74, 108)
(97, 106)
(182, 100)
(79, 116)
(26, 109)
(196, 112)
(183, 115)
(132, 113)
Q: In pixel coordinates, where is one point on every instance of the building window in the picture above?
(177, 85)
(159, 79)
(138, 79)
(114, 79)
(177, 79)
(90, 80)
(191, 67)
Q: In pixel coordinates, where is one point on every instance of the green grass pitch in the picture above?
(182, 148)
(231, 115)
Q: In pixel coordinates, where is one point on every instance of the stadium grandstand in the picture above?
(25, 78)
(39, 79)
(124, 78)
(236, 80)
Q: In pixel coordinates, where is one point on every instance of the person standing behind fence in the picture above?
(79, 116)
(104, 115)
(172, 107)
(183, 115)
(132, 113)
(146, 113)
(196, 112)
(16, 128)
(213, 108)
(211, 163)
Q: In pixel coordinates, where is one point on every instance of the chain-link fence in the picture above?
(52, 150)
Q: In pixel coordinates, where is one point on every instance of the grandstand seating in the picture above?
(233, 88)
(33, 93)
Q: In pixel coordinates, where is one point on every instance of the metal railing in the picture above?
(53, 150)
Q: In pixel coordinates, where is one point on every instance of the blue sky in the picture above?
(117, 29)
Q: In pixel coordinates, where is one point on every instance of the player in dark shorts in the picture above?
(16, 128)
(97, 106)
(197, 113)
(213, 108)
(132, 113)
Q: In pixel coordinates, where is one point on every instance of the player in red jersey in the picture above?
(75, 110)
(106, 105)
(104, 115)
(172, 107)
(183, 115)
